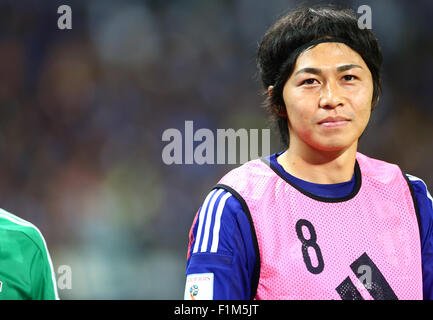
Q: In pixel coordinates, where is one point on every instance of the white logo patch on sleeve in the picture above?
(199, 286)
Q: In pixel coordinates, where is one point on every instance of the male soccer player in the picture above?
(319, 220)
(26, 270)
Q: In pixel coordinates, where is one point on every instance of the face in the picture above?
(328, 98)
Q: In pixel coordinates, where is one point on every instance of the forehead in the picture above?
(329, 55)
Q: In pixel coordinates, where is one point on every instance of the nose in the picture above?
(330, 97)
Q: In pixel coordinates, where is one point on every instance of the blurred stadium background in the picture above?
(83, 111)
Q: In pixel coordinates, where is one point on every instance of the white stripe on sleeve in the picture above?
(201, 216)
(413, 178)
(208, 220)
(216, 228)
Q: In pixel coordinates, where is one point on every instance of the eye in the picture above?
(308, 81)
(349, 77)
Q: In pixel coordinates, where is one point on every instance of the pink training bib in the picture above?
(365, 246)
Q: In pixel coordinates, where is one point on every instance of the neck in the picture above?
(318, 166)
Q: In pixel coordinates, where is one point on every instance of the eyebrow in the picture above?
(319, 71)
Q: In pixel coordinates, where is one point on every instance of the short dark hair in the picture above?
(275, 58)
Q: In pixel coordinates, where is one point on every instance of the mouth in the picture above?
(332, 122)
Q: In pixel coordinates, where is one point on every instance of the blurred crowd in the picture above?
(83, 111)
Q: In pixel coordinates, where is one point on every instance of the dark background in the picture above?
(83, 112)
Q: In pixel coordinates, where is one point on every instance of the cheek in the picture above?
(298, 115)
(299, 108)
(299, 123)
(363, 105)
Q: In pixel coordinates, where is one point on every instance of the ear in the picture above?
(270, 90)
(280, 110)
(374, 103)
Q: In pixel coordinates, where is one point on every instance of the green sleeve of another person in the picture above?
(26, 270)
(42, 277)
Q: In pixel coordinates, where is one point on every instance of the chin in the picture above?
(332, 146)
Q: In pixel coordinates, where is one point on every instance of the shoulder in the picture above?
(424, 203)
(421, 193)
(247, 176)
(21, 232)
(377, 169)
(419, 185)
(253, 167)
(216, 222)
